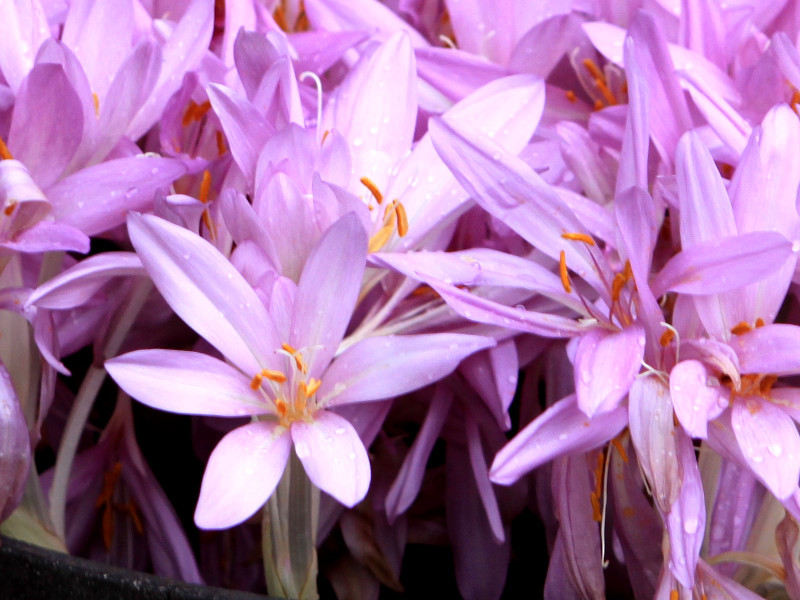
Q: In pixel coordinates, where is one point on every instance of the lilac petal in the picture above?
(355, 15)
(206, 291)
(695, 400)
(687, 518)
(787, 535)
(388, 366)
(705, 211)
(510, 190)
(15, 447)
(319, 50)
(185, 382)
(770, 444)
(493, 375)
(46, 236)
(731, 128)
(770, 349)
(127, 92)
(242, 472)
(99, 33)
(406, 484)
(480, 562)
(636, 140)
(246, 130)
(47, 124)
(98, 198)
(480, 474)
(331, 280)
(562, 429)
(653, 434)
(375, 108)
(333, 456)
(722, 265)
(24, 29)
(454, 72)
(606, 364)
(577, 527)
(77, 284)
(482, 310)
(185, 47)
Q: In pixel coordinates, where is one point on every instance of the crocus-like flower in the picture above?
(281, 369)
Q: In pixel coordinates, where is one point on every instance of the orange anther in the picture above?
(620, 448)
(740, 328)
(579, 237)
(221, 147)
(402, 219)
(280, 406)
(256, 381)
(9, 209)
(759, 322)
(4, 153)
(378, 241)
(666, 338)
(562, 271)
(272, 375)
(571, 96)
(376, 193)
(96, 101)
(674, 595)
(312, 386)
(205, 187)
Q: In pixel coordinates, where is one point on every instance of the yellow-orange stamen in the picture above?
(402, 219)
(579, 237)
(593, 69)
(96, 101)
(571, 96)
(9, 209)
(740, 328)
(281, 407)
(597, 513)
(298, 358)
(4, 153)
(376, 193)
(674, 595)
(620, 448)
(378, 241)
(666, 338)
(221, 147)
(562, 271)
(195, 112)
(311, 387)
(759, 322)
(325, 135)
(205, 187)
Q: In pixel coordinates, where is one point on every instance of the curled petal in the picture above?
(695, 400)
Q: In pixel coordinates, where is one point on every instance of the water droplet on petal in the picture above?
(775, 449)
(340, 431)
(352, 456)
(690, 525)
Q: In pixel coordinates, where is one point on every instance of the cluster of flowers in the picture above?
(445, 261)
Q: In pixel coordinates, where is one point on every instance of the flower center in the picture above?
(292, 393)
(394, 217)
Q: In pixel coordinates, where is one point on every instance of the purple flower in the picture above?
(281, 365)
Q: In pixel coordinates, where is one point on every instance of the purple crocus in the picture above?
(281, 369)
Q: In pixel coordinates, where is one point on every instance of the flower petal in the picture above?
(696, 402)
(185, 382)
(327, 292)
(560, 430)
(384, 367)
(333, 456)
(770, 443)
(605, 367)
(242, 472)
(206, 291)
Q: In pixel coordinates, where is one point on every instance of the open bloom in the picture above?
(280, 368)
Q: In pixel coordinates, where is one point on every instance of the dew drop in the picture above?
(352, 456)
(757, 458)
(187, 256)
(562, 437)
(690, 525)
(775, 449)
(358, 142)
(340, 431)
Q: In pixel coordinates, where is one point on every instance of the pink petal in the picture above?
(186, 382)
(206, 291)
(242, 472)
(606, 364)
(333, 456)
(327, 292)
(388, 366)
(769, 442)
(560, 430)
(695, 400)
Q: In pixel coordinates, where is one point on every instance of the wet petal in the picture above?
(333, 456)
(185, 382)
(562, 429)
(696, 401)
(388, 366)
(605, 367)
(242, 472)
(769, 442)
